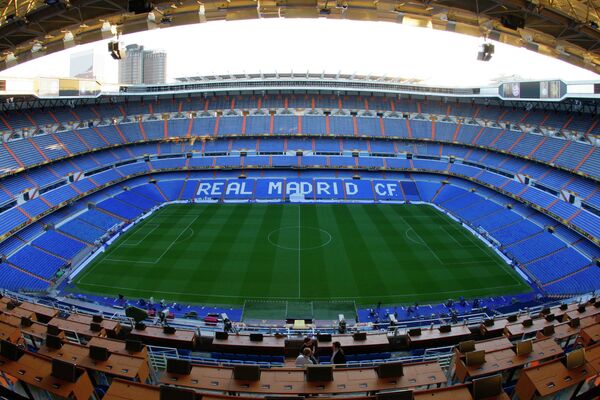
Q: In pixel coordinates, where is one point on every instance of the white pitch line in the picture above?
(137, 243)
(411, 295)
(156, 261)
(420, 238)
(299, 251)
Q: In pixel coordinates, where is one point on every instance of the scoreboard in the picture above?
(555, 89)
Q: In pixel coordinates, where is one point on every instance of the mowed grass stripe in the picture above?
(221, 254)
(394, 235)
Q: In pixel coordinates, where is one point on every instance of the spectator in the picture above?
(305, 358)
(338, 356)
(309, 344)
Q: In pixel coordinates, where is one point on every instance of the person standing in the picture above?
(338, 356)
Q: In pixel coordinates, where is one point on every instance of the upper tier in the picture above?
(575, 156)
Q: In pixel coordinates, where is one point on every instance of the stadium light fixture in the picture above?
(115, 50)
(69, 37)
(10, 59)
(36, 47)
(486, 52)
(106, 27)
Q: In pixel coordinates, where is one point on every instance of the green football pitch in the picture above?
(230, 253)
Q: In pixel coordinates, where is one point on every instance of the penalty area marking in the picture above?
(420, 242)
(126, 242)
(157, 260)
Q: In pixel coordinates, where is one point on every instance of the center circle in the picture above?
(299, 238)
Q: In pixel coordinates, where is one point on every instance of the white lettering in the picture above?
(351, 188)
(203, 188)
(276, 187)
(217, 189)
(323, 188)
(233, 187)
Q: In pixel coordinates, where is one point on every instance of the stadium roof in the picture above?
(565, 29)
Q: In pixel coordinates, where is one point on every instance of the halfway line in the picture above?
(299, 250)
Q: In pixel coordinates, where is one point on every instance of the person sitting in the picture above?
(338, 356)
(304, 358)
(310, 344)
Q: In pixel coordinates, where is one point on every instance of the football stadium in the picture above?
(298, 235)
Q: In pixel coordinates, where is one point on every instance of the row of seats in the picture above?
(43, 148)
(545, 176)
(64, 193)
(40, 118)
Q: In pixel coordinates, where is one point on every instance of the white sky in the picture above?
(317, 45)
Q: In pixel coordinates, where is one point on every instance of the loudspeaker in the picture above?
(95, 327)
(390, 370)
(140, 326)
(414, 332)
(466, 346)
(175, 393)
(99, 353)
(246, 372)
(256, 337)
(65, 371)
(395, 395)
(133, 346)
(10, 350)
(97, 318)
(324, 337)
(169, 330)
(548, 330)
(221, 335)
(319, 373)
(53, 342)
(115, 50)
(180, 367)
(359, 335)
(53, 330)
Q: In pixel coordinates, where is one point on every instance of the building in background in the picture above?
(88, 64)
(155, 67)
(142, 66)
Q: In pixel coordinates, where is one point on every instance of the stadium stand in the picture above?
(36, 261)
